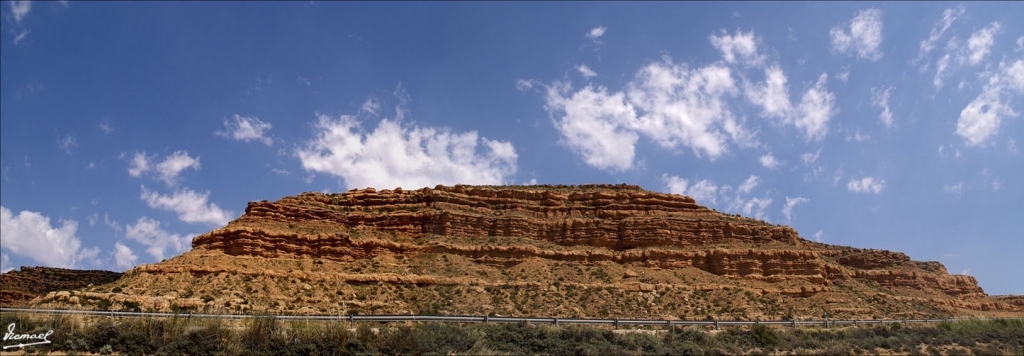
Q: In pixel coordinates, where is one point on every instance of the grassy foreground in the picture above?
(265, 335)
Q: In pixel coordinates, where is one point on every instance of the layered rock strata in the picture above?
(589, 251)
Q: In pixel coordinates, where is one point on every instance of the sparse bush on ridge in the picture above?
(266, 335)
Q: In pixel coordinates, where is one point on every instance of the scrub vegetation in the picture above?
(267, 335)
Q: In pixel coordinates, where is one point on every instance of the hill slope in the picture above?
(584, 251)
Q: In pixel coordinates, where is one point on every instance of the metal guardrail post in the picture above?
(485, 319)
(716, 324)
(616, 323)
(351, 322)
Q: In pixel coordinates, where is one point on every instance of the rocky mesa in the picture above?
(564, 251)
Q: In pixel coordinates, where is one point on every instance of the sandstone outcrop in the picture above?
(591, 250)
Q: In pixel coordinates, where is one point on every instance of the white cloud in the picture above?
(817, 106)
(703, 192)
(19, 9)
(980, 43)
(948, 17)
(772, 97)
(29, 234)
(124, 257)
(248, 129)
(880, 98)
(596, 32)
(673, 105)
(864, 36)
(174, 165)
(1011, 145)
(147, 231)
(866, 185)
(809, 158)
(370, 106)
(190, 206)
(739, 47)
(955, 189)
(981, 118)
(596, 125)
(67, 143)
(1014, 75)
(768, 161)
(787, 210)
(682, 107)
(706, 192)
(757, 207)
(586, 71)
(818, 235)
(749, 184)
(139, 164)
(393, 155)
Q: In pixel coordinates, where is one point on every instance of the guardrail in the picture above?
(352, 319)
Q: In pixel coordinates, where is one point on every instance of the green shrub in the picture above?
(764, 336)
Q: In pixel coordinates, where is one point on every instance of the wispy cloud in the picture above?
(106, 126)
(863, 38)
(948, 17)
(706, 192)
(174, 164)
(139, 164)
(147, 231)
(811, 116)
(954, 189)
(21, 35)
(787, 210)
(67, 143)
(246, 129)
(585, 71)
(979, 45)
(880, 98)
(191, 207)
(866, 185)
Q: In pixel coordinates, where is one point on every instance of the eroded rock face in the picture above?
(20, 286)
(589, 251)
(628, 224)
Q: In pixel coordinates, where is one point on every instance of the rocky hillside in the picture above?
(20, 286)
(585, 251)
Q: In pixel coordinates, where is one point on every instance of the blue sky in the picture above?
(128, 128)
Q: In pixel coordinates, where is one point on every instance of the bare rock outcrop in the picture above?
(590, 250)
